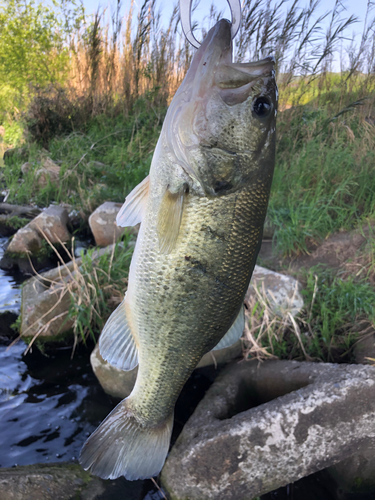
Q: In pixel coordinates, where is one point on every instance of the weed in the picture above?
(337, 313)
(98, 287)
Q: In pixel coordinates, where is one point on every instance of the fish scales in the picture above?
(202, 210)
(177, 278)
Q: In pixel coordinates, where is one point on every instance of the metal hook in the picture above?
(185, 16)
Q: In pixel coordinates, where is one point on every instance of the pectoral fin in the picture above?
(234, 333)
(132, 211)
(116, 343)
(169, 220)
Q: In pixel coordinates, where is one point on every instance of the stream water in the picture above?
(50, 403)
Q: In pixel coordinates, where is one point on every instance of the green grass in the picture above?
(336, 313)
(102, 163)
(99, 285)
(324, 178)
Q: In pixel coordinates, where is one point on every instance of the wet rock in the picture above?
(241, 442)
(62, 482)
(46, 301)
(364, 351)
(119, 384)
(45, 305)
(103, 224)
(282, 291)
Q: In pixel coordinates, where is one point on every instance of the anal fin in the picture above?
(116, 342)
(234, 333)
(169, 220)
(131, 213)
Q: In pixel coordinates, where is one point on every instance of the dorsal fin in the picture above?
(132, 211)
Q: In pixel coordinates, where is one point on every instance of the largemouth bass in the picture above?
(202, 210)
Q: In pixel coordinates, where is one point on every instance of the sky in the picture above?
(356, 7)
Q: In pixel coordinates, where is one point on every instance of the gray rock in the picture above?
(364, 351)
(269, 229)
(103, 224)
(26, 240)
(241, 443)
(282, 291)
(46, 301)
(51, 224)
(63, 481)
(117, 383)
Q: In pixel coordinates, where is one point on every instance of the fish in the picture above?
(202, 209)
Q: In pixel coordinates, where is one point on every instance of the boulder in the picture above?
(63, 481)
(46, 302)
(117, 383)
(282, 292)
(26, 240)
(263, 426)
(103, 224)
(51, 223)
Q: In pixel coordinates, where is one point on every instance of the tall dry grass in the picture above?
(117, 59)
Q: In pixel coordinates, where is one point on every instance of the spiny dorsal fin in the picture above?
(169, 220)
(116, 342)
(234, 333)
(132, 211)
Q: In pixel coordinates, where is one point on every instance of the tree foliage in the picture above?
(32, 51)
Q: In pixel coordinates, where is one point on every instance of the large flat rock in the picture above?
(63, 481)
(263, 425)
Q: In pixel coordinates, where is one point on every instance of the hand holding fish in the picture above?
(202, 210)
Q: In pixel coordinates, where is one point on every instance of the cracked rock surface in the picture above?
(262, 426)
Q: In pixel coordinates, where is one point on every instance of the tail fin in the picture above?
(121, 446)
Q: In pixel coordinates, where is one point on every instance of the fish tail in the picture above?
(121, 446)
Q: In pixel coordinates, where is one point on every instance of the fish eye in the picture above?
(262, 107)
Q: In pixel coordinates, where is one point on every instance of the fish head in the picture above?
(224, 117)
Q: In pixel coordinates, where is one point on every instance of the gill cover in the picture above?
(214, 93)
